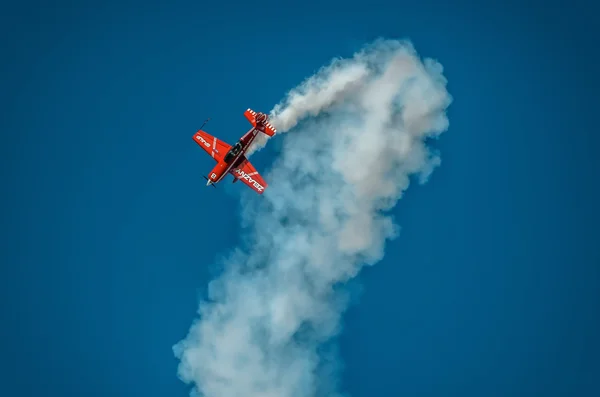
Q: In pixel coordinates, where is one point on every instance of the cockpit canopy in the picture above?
(234, 151)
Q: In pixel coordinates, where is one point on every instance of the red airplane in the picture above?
(232, 159)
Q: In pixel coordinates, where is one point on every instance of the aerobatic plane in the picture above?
(232, 159)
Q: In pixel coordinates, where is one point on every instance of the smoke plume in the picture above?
(353, 135)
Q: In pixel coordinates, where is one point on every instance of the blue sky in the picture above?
(110, 236)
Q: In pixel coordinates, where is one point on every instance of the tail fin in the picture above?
(267, 128)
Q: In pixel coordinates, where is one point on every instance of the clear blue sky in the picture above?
(109, 235)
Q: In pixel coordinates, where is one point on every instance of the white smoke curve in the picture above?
(357, 132)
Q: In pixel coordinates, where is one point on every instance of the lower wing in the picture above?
(211, 145)
(246, 173)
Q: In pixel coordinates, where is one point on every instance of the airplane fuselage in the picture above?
(232, 159)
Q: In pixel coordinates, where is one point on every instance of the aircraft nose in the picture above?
(208, 183)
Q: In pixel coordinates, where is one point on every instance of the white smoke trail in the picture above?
(357, 134)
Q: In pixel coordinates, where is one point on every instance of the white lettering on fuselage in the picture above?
(247, 177)
(203, 140)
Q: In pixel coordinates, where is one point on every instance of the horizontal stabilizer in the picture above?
(267, 128)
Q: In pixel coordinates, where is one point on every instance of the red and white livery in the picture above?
(232, 159)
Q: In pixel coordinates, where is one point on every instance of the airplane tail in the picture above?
(266, 128)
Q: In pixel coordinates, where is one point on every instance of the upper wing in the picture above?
(248, 174)
(211, 145)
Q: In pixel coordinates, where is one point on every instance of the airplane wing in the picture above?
(211, 145)
(246, 173)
